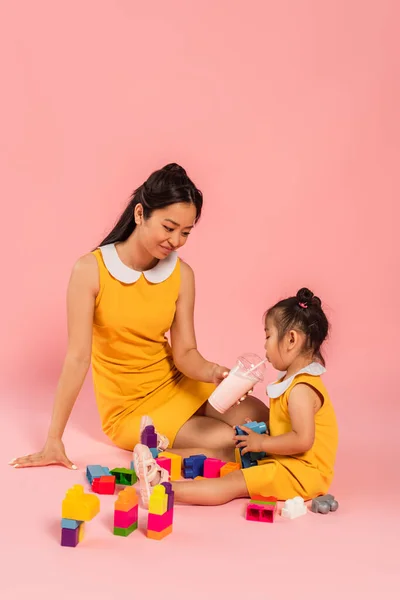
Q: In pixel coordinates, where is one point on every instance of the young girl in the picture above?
(303, 439)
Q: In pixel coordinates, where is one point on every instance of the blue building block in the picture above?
(95, 471)
(70, 524)
(250, 459)
(154, 452)
(194, 466)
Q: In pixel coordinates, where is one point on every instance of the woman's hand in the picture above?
(53, 453)
(218, 374)
(253, 442)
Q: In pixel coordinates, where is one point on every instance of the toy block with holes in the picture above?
(124, 476)
(262, 509)
(95, 472)
(293, 508)
(194, 466)
(104, 485)
(126, 513)
(212, 467)
(165, 463)
(161, 512)
(250, 458)
(176, 464)
(76, 508)
(229, 468)
(149, 439)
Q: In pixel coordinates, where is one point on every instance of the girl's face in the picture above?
(167, 229)
(282, 353)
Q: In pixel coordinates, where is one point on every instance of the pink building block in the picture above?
(160, 522)
(212, 467)
(124, 519)
(164, 463)
(264, 513)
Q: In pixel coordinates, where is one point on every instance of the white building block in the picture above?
(294, 508)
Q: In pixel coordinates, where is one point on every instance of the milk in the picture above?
(232, 388)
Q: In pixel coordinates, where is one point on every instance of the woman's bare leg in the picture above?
(225, 454)
(205, 432)
(251, 408)
(209, 492)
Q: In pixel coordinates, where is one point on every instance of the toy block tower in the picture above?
(261, 508)
(149, 439)
(161, 512)
(77, 507)
(126, 509)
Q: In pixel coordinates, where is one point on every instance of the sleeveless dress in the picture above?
(133, 369)
(308, 474)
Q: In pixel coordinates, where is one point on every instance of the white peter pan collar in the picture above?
(163, 269)
(276, 389)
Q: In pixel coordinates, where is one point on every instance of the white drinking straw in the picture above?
(256, 366)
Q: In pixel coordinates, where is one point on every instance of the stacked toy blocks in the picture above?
(198, 465)
(149, 439)
(126, 512)
(100, 479)
(161, 512)
(77, 507)
(251, 458)
(261, 509)
(174, 467)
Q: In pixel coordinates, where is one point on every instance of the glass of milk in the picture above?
(241, 379)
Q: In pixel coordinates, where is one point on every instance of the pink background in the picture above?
(286, 115)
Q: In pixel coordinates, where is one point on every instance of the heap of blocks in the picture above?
(161, 512)
(261, 508)
(77, 507)
(126, 512)
(198, 466)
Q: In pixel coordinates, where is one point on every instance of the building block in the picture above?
(260, 512)
(124, 519)
(93, 471)
(104, 484)
(250, 458)
(124, 476)
(293, 508)
(81, 532)
(155, 535)
(212, 467)
(70, 537)
(70, 523)
(324, 504)
(170, 494)
(160, 522)
(79, 506)
(164, 463)
(124, 532)
(154, 452)
(229, 468)
(126, 500)
(176, 464)
(264, 500)
(193, 466)
(158, 503)
(149, 437)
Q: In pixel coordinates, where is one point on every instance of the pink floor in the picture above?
(353, 552)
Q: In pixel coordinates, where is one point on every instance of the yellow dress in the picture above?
(309, 474)
(133, 369)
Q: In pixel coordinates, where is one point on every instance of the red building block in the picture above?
(104, 484)
(264, 513)
(123, 519)
(160, 522)
(164, 463)
(212, 467)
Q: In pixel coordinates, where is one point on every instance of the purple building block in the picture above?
(149, 437)
(170, 493)
(69, 537)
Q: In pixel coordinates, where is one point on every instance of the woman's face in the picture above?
(167, 229)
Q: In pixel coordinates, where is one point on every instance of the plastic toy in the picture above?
(193, 466)
(95, 471)
(104, 485)
(149, 439)
(293, 508)
(176, 464)
(161, 512)
(165, 463)
(324, 504)
(229, 468)
(250, 459)
(76, 508)
(126, 509)
(124, 476)
(261, 509)
(212, 467)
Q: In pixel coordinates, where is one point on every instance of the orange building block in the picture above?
(229, 468)
(127, 499)
(159, 535)
(79, 506)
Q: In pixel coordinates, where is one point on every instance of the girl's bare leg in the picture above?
(209, 492)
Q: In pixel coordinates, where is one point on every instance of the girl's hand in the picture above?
(53, 453)
(253, 442)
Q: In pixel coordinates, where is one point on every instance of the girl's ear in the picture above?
(293, 338)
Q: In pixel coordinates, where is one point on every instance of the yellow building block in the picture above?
(229, 468)
(158, 502)
(238, 456)
(159, 535)
(81, 532)
(127, 499)
(176, 464)
(79, 506)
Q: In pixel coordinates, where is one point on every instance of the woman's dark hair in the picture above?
(164, 187)
(304, 313)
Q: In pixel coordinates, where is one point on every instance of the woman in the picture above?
(122, 300)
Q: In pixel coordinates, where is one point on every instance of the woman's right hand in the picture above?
(53, 453)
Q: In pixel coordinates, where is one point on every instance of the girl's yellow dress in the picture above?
(133, 369)
(309, 474)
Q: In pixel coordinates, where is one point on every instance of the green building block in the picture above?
(124, 476)
(124, 532)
